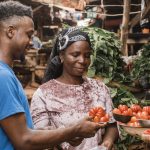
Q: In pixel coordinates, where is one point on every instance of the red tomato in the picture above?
(125, 113)
(134, 113)
(144, 115)
(92, 113)
(133, 119)
(116, 111)
(122, 107)
(100, 112)
(136, 108)
(147, 109)
(96, 119)
(147, 131)
(136, 124)
(138, 115)
(130, 112)
(130, 123)
(104, 118)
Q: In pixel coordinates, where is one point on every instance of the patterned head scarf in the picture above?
(65, 39)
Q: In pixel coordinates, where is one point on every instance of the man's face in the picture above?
(22, 38)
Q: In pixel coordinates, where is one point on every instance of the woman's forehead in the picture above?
(80, 46)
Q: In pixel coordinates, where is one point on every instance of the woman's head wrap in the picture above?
(65, 39)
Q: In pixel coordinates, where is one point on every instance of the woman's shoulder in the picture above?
(47, 84)
(93, 81)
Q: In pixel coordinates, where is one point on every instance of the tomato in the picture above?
(133, 119)
(134, 113)
(130, 123)
(100, 112)
(107, 116)
(96, 119)
(138, 115)
(104, 119)
(130, 113)
(116, 111)
(125, 113)
(136, 124)
(147, 109)
(92, 113)
(122, 107)
(144, 115)
(147, 131)
(136, 108)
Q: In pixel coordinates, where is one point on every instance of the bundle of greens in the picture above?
(105, 60)
(141, 68)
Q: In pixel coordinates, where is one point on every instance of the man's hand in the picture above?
(76, 141)
(86, 128)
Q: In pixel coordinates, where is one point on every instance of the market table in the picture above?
(138, 132)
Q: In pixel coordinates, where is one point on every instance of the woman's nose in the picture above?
(81, 59)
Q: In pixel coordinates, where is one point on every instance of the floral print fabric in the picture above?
(57, 105)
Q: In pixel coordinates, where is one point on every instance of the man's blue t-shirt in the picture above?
(12, 101)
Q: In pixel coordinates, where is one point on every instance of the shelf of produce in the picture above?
(136, 131)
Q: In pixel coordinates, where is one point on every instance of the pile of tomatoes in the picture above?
(99, 114)
(136, 111)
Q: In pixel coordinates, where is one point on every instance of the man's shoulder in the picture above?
(4, 73)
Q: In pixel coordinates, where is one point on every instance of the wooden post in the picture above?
(124, 27)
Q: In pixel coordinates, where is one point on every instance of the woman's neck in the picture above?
(67, 79)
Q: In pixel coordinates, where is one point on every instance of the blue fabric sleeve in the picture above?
(10, 103)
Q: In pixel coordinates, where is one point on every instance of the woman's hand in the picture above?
(108, 144)
(76, 141)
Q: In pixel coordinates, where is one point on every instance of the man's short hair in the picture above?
(9, 9)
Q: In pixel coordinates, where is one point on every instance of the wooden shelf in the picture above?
(138, 38)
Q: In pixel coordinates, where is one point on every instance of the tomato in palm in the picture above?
(96, 119)
(100, 112)
(104, 118)
(92, 113)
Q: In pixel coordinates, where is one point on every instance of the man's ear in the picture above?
(10, 31)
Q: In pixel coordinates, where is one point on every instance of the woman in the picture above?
(66, 96)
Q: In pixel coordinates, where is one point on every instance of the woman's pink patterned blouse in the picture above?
(57, 105)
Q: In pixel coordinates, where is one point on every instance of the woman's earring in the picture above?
(61, 60)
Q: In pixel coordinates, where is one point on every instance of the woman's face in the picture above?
(76, 58)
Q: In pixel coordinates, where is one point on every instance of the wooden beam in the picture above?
(37, 8)
(137, 18)
(124, 27)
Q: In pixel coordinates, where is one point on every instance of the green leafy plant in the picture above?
(105, 60)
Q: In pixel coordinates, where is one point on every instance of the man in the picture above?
(37, 44)
(16, 128)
